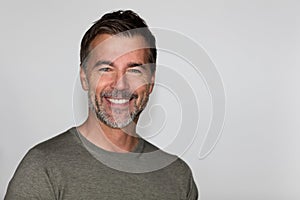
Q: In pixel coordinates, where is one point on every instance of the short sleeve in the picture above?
(193, 191)
(31, 180)
(184, 177)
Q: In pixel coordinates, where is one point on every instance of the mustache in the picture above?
(122, 94)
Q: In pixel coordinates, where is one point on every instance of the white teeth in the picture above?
(118, 101)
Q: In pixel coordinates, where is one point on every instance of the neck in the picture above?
(105, 137)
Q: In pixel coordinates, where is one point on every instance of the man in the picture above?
(104, 158)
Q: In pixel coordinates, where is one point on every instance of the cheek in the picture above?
(138, 84)
(98, 84)
(142, 92)
(98, 89)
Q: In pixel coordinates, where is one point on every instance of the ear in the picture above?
(83, 79)
(152, 81)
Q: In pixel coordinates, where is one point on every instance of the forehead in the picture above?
(112, 47)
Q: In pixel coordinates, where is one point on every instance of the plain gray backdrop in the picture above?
(254, 44)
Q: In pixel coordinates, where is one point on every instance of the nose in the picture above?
(121, 81)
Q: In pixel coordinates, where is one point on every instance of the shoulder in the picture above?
(60, 141)
(177, 171)
(172, 161)
(55, 148)
(180, 168)
(35, 172)
(181, 173)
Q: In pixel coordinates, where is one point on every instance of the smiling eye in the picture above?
(135, 71)
(104, 69)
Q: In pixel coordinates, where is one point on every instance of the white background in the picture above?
(254, 44)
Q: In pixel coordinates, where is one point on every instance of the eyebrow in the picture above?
(133, 64)
(109, 63)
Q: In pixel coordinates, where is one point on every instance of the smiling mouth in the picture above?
(118, 101)
(118, 98)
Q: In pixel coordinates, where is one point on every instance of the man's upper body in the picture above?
(68, 167)
(104, 158)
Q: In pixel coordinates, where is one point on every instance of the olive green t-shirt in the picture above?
(69, 167)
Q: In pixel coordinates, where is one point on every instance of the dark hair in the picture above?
(127, 23)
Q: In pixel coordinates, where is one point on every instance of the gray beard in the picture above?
(113, 121)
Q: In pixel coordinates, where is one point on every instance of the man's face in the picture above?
(117, 78)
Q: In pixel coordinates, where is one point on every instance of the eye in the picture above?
(136, 71)
(105, 69)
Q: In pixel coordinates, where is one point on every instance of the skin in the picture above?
(116, 65)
